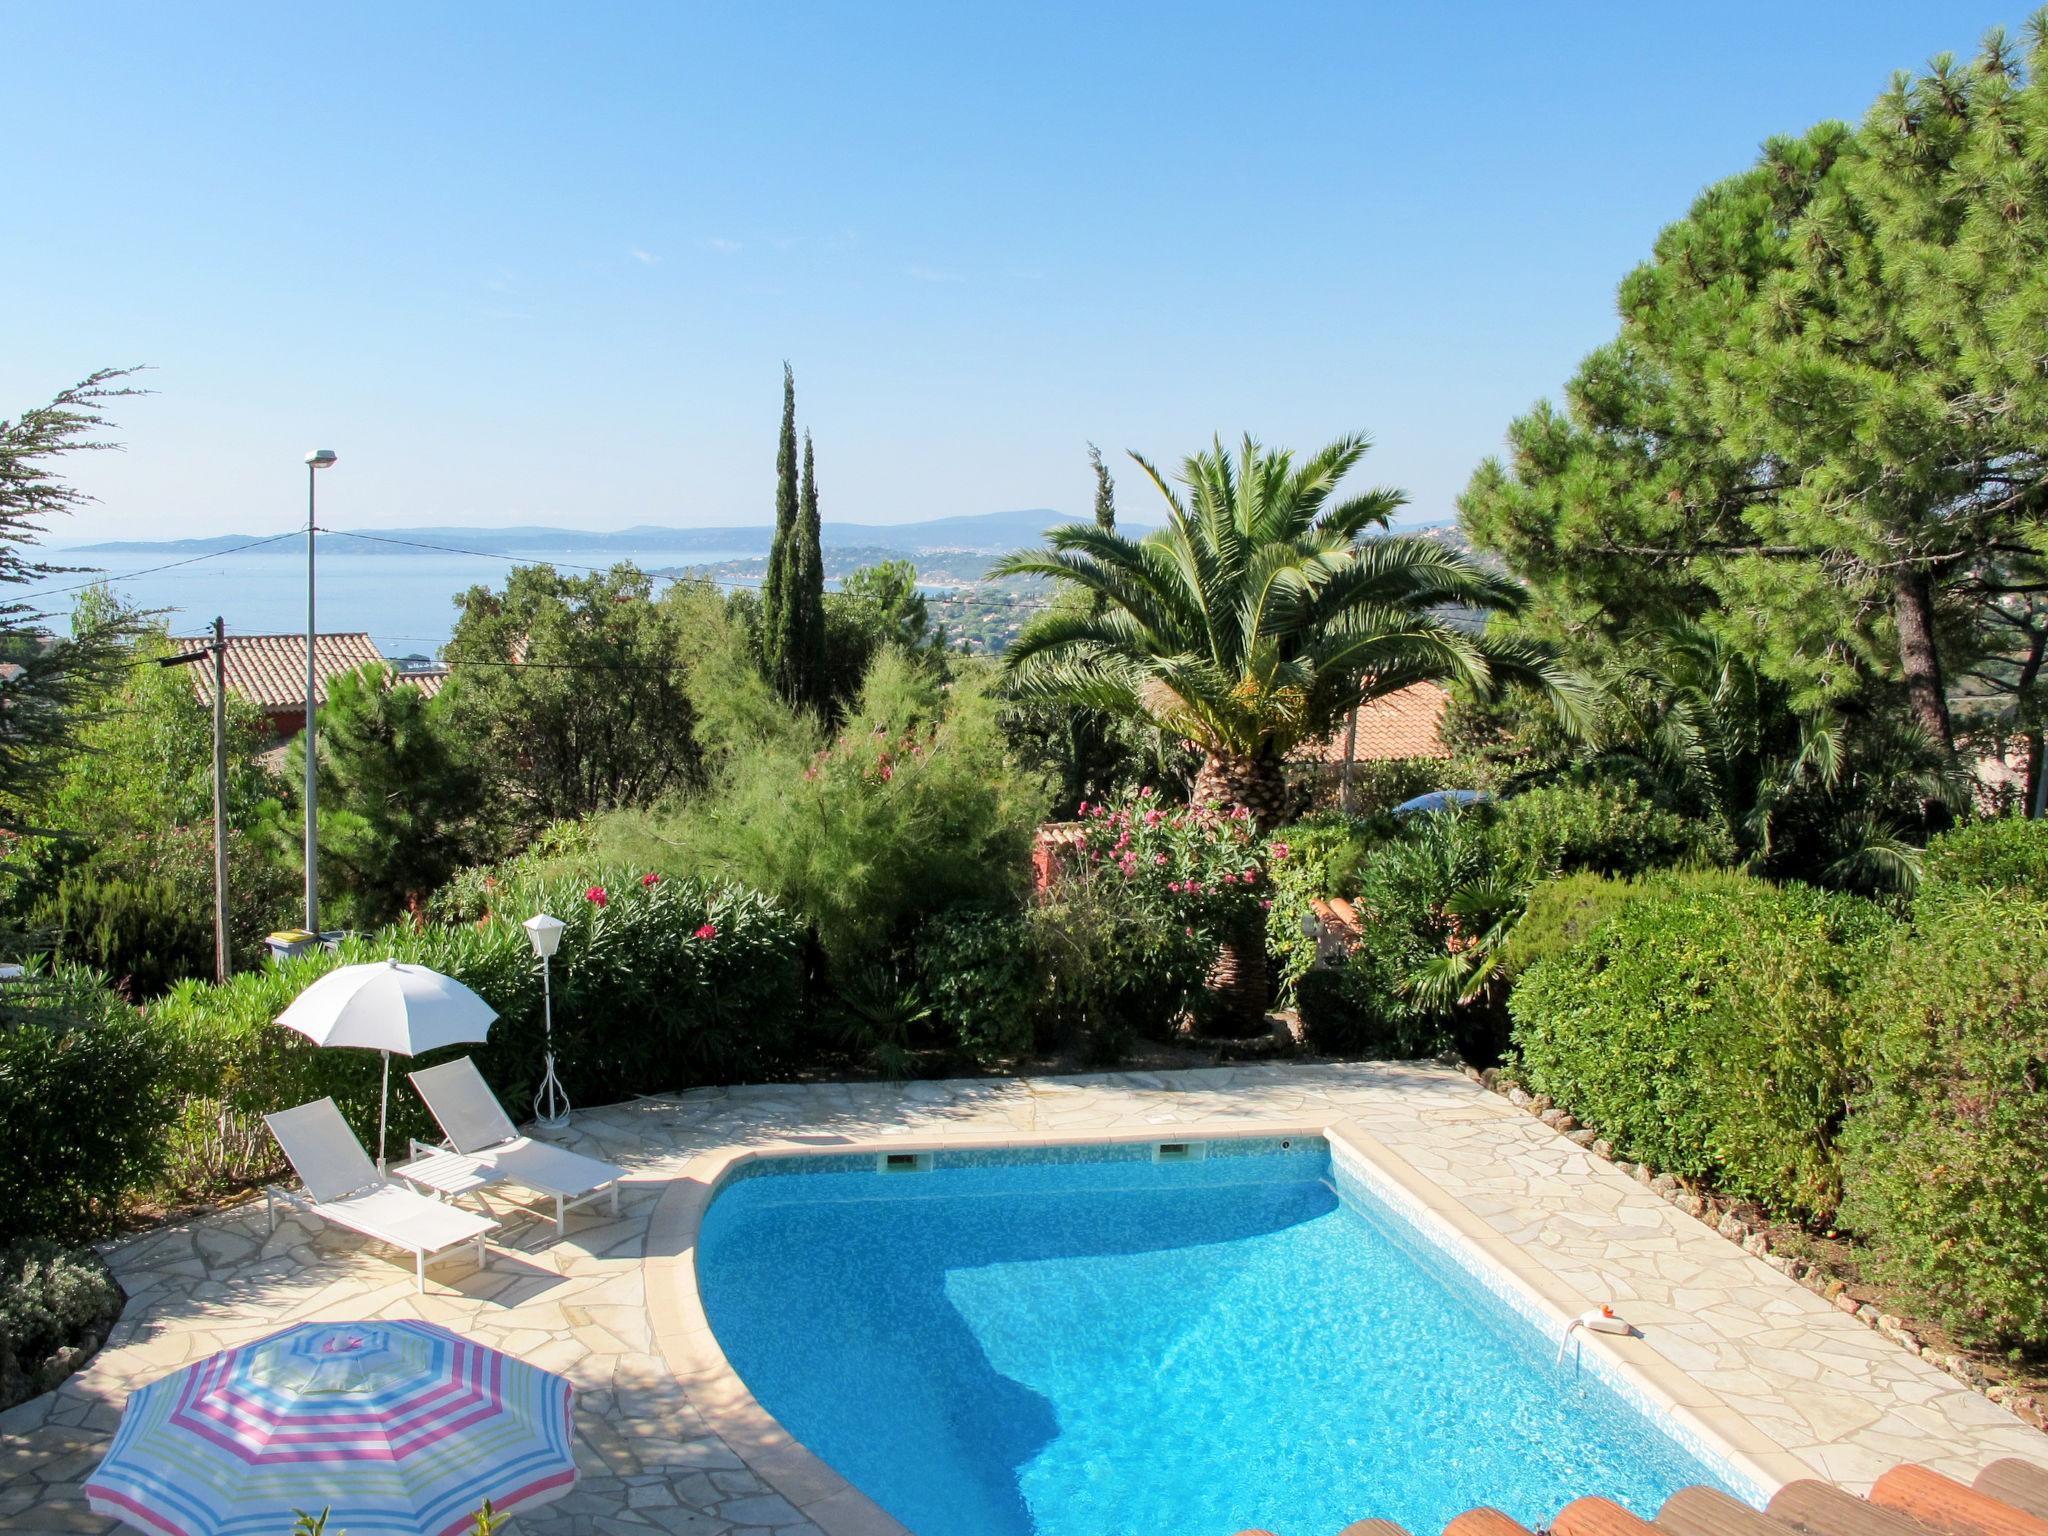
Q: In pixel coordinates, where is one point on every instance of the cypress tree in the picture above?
(781, 550)
(1105, 492)
(1093, 754)
(804, 600)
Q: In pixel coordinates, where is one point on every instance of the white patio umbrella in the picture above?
(387, 1006)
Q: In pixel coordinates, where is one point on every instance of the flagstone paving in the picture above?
(1792, 1385)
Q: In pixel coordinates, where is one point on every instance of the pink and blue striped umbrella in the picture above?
(400, 1428)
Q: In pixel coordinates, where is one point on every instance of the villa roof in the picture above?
(270, 670)
(429, 680)
(1406, 723)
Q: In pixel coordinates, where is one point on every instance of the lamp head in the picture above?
(545, 933)
(321, 458)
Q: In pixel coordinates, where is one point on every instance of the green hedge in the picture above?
(87, 1094)
(1947, 1147)
(979, 970)
(1608, 829)
(1704, 1028)
(657, 986)
(2002, 853)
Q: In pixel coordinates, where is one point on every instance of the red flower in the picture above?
(650, 878)
(707, 932)
(597, 894)
(1083, 810)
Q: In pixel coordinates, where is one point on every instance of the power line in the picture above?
(212, 554)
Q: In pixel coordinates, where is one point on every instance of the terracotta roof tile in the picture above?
(270, 670)
(1403, 724)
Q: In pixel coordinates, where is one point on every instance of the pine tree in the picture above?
(804, 600)
(775, 587)
(49, 684)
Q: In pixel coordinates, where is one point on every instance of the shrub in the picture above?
(1114, 969)
(1608, 829)
(1323, 852)
(980, 972)
(1560, 915)
(1703, 1027)
(1947, 1146)
(85, 1099)
(145, 933)
(1363, 1007)
(51, 1298)
(658, 984)
(913, 806)
(2006, 852)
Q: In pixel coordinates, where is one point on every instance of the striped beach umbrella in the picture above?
(400, 1428)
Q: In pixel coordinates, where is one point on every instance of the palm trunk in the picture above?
(1231, 779)
(1240, 979)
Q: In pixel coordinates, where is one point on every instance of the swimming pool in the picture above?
(1092, 1341)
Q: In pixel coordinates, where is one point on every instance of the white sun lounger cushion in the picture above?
(406, 1219)
(343, 1186)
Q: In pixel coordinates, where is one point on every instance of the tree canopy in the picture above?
(1260, 613)
(1823, 426)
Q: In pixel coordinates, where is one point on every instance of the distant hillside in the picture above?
(990, 532)
(945, 549)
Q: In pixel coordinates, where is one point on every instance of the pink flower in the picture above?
(1158, 858)
(707, 931)
(1279, 850)
(1265, 906)
(1173, 886)
(1239, 814)
(596, 894)
(1153, 818)
(650, 878)
(1145, 793)
(1083, 810)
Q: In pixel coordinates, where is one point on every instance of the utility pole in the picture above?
(220, 800)
(218, 650)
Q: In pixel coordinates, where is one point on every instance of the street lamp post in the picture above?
(550, 1104)
(317, 460)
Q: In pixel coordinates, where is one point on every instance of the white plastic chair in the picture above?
(483, 1136)
(343, 1186)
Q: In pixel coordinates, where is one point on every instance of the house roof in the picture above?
(429, 680)
(1406, 723)
(270, 670)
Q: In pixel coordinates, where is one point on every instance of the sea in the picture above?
(404, 598)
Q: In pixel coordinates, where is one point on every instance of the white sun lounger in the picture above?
(343, 1186)
(481, 1136)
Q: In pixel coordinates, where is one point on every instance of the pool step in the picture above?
(2008, 1498)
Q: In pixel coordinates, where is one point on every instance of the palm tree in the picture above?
(1259, 615)
(1253, 621)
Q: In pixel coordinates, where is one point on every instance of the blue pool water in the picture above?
(1091, 1343)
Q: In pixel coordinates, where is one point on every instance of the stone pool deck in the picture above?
(668, 1440)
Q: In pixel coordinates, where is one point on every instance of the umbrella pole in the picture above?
(383, 1107)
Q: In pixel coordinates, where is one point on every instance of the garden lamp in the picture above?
(550, 1104)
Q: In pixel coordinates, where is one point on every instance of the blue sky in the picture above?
(542, 264)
